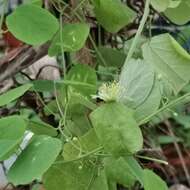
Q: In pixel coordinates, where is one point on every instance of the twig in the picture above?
(179, 152)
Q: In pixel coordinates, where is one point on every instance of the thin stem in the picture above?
(172, 103)
(97, 51)
(78, 6)
(139, 31)
(57, 101)
(152, 159)
(81, 157)
(62, 50)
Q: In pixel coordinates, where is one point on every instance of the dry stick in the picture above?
(26, 57)
(179, 152)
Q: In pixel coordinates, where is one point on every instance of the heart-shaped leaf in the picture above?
(116, 129)
(32, 24)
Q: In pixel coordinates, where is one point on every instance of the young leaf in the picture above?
(73, 38)
(116, 128)
(169, 59)
(12, 130)
(152, 181)
(32, 24)
(136, 82)
(13, 94)
(38, 156)
(82, 79)
(112, 14)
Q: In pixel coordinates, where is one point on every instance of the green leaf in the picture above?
(34, 2)
(121, 170)
(124, 170)
(76, 98)
(44, 85)
(179, 14)
(86, 143)
(111, 56)
(160, 5)
(134, 168)
(153, 181)
(136, 82)
(39, 127)
(116, 128)
(12, 130)
(38, 156)
(32, 24)
(174, 3)
(150, 105)
(170, 60)
(70, 176)
(82, 79)
(183, 120)
(13, 94)
(112, 14)
(100, 182)
(165, 139)
(112, 185)
(78, 124)
(51, 107)
(73, 38)
(138, 51)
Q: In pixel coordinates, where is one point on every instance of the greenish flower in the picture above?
(108, 92)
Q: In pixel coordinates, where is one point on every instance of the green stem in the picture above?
(62, 51)
(139, 31)
(152, 159)
(81, 157)
(171, 104)
(97, 51)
